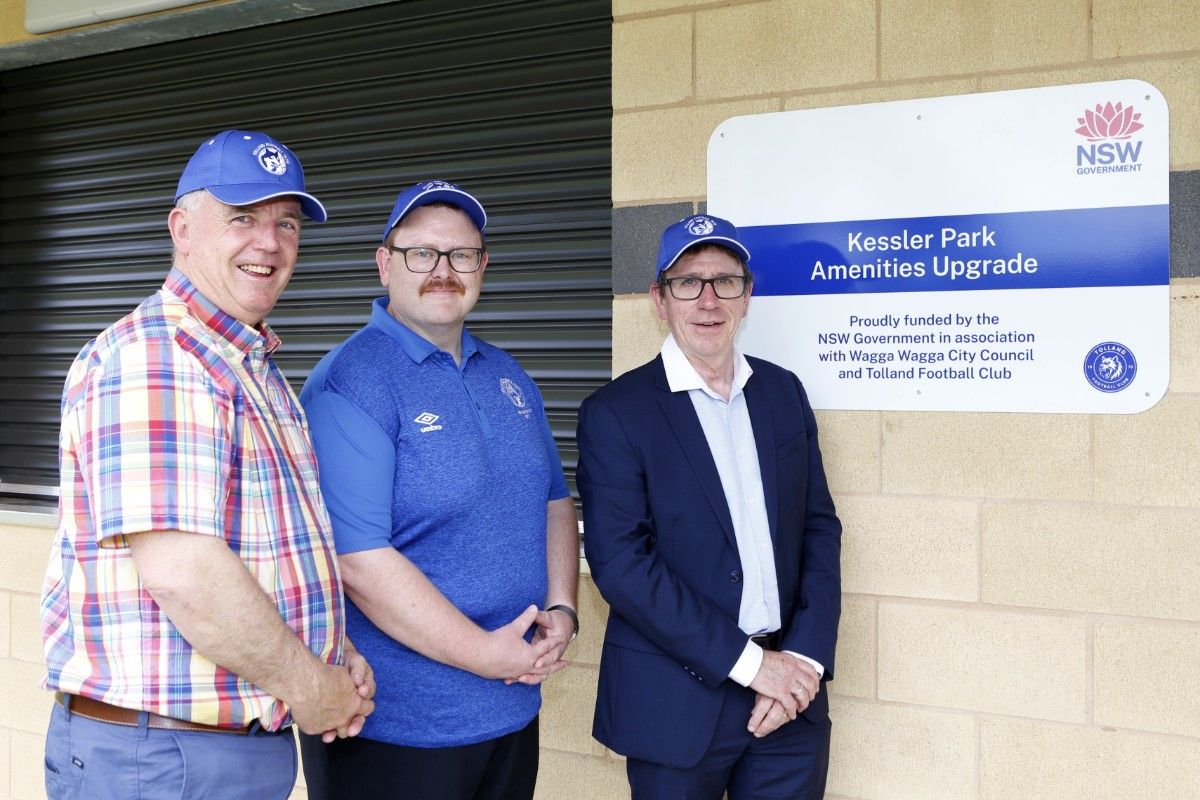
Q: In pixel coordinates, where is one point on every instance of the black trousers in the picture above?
(364, 769)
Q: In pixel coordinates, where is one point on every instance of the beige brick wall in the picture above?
(1021, 617)
(24, 708)
(573, 764)
(12, 22)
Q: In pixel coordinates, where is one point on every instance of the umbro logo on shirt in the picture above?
(426, 420)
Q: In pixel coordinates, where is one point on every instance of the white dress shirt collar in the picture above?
(683, 377)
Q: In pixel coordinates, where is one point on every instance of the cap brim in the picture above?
(723, 241)
(247, 194)
(455, 197)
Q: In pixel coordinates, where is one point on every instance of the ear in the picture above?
(383, 260)
(483, 263)
(660, 302)
(177, 224)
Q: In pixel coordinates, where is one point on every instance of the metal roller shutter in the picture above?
(510, 99)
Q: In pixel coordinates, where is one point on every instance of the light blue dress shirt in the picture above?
(730, 436)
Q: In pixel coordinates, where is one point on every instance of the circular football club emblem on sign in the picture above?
(513, 392)
(1110, 367)
(271, 158)
(700, 226)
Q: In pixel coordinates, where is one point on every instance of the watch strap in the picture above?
(570, 612)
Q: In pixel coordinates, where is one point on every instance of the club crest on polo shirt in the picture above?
(700, 226)
(271, 158)
(513, 393)
(426, 420)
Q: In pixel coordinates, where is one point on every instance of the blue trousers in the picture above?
(790, 763)
(89, 760)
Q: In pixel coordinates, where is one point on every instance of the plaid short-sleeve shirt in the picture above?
(176, 418)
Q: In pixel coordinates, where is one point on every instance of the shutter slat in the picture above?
(511, 99)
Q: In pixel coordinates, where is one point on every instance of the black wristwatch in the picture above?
(570, 612)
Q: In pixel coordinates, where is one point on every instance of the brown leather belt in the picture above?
(103, 712)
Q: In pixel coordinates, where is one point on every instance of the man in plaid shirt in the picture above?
(192, 608)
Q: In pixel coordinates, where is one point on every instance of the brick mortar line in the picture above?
(983, 716)
(589, 754)
(676, 11)
(1091, 29)
(1109, 61)
(1089, 671)
(691, 198)
(1015, 500)
(1035, 611)
(693, 26)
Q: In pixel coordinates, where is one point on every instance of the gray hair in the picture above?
(191, 200)
(188, 202)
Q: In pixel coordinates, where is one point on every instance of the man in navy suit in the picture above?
(710, 531)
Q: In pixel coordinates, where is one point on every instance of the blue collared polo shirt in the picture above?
(452, 465)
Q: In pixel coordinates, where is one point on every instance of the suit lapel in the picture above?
(761, 419)
(681, 417)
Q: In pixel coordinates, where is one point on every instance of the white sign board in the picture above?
(1006, 251)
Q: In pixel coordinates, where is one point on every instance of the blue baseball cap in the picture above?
(241, 168)
(697, 229)
(426, 192)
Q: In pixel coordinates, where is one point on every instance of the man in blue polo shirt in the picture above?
(455, 532)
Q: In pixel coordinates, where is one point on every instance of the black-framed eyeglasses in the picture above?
(689, 287)
(424, 259)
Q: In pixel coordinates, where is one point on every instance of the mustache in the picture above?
(440, 284)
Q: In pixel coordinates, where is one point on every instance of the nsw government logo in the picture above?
(1112, 125)
(1110, 367)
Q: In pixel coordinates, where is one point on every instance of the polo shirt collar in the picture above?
(228, 328)
(683, 377)
(415, 345)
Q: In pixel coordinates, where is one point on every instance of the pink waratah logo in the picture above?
(1109, 122)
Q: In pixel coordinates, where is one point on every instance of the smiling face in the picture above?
(239, 257)
(703, 328)
(432, 304)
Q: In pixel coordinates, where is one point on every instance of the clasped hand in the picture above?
(340, 703)
(785, 686)
(515, 660)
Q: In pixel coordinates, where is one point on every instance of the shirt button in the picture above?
(735, 577)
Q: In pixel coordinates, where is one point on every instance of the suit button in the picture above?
(735, 577)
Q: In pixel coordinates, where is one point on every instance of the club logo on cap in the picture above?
(437, 185)
(700, 226)
(271, 158)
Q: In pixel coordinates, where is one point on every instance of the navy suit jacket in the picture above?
(660, 543)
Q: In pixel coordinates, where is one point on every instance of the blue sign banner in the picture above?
(1071, 248)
